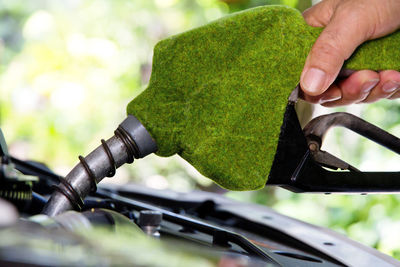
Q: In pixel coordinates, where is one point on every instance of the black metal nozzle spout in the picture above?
(131, 140)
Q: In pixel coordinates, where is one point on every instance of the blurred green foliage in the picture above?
(59, 59)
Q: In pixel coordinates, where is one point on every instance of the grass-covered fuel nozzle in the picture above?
(217, 94)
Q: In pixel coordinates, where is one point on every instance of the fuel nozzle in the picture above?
(130, 141)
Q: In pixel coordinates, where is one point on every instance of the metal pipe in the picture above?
(317, 128)
(131, 140)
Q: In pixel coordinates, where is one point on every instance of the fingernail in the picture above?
(313, 80)
(330, 98)
(367, 86)
(390, 86)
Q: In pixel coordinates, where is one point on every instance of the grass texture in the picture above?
(217, 93)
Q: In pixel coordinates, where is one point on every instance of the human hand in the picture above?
(348, 23)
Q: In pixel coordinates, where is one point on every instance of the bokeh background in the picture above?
(68, 69)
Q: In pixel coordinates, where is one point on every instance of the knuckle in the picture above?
(389, 75)
(312, 20)
(320, 14)
(365, 15)
(328, 49)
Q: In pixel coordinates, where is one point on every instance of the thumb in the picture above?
(347, 29)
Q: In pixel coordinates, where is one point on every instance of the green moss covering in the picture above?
(217, 94)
